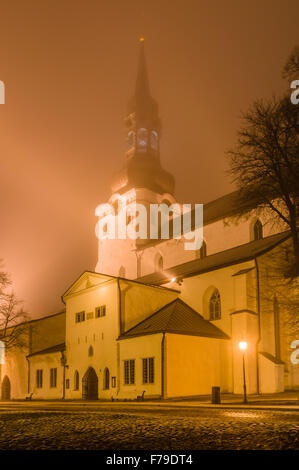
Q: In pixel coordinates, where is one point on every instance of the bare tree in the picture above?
(265, 164)
(276, 286)
(14, 327)
(291, 68)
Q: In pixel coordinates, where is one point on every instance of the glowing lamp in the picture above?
(243, 345)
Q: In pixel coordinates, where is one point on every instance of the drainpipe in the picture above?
(259, 323)
(163, 367)
(120, 332)
(28, 375)
(63, 363)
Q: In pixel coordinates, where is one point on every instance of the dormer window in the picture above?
(142, 138)
(154, 140)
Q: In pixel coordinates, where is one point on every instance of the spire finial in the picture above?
(142, 85)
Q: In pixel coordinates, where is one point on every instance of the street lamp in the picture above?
(243, 347)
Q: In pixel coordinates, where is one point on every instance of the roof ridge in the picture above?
(44, 351)
(150, 316)
(276, 239)
(186, 321)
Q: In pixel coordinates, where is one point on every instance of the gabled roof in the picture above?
(52, 349)
(176, 317)
(85, 280)
(219, 260)
(92, 279)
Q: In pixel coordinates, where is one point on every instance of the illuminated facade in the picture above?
(156, 320)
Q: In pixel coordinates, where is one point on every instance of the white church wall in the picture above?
(139, 301)
(193, 365)
(140, 348)
(194, 289)
(98, 333)
(271, 376)
(45, 362)
(15, 368)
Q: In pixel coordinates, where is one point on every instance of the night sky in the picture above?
(69, 68)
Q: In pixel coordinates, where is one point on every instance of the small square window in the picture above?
(79, 317)
(100, 311)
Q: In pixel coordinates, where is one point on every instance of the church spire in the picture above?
(142, 105)
(142, 90)
(142, 167)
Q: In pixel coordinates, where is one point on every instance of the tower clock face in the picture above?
(154, 140)
(142, 138)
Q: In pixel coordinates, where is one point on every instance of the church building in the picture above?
(155, 320)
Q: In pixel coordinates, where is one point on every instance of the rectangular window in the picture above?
(148, 370)
(39, 378)
(67, 383)
(53, 378)
(79, 317)
(113, 382)
(129, 372)
(101, 311)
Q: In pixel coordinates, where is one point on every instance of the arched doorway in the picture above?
(90, 385)
(5, 389)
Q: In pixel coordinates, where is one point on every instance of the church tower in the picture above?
(141, 180)
(142, 167)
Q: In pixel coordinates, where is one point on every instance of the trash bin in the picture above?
(216, 395)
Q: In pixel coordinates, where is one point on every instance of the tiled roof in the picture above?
(176, 317)
(221, 208)
(52, 349)
(225, 206)
(219, 260)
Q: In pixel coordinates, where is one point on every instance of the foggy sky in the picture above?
(69, 68)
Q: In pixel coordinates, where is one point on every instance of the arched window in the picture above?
(106, 379)
(76, 380)
(5, 388)
(257, 230)
(158, 263)
(215, 305)
(122, 271)
(131, 139)
(142, 138)
(154, 140)
(90, 351)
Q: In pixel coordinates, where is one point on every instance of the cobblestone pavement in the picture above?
(149, 428)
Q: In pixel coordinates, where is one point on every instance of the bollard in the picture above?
(216, 395)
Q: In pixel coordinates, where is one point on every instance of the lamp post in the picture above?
(243, 347)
